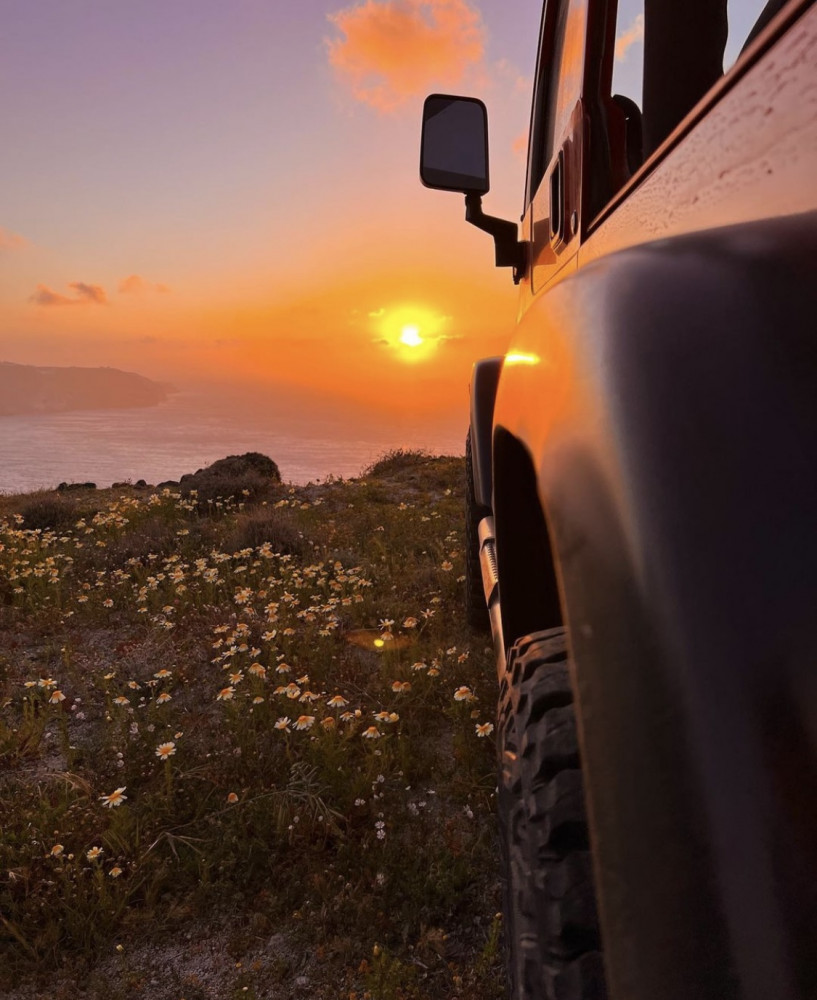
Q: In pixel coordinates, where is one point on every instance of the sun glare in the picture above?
(410, 336)
(413, 332)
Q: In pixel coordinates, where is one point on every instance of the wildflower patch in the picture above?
(196, 715)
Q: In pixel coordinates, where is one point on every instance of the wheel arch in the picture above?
(528, 586)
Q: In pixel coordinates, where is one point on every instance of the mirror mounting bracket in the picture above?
(510, 252)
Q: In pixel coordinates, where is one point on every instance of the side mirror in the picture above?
(454, 146)
(454, 157)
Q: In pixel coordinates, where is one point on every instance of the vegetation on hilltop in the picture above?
(245, 743)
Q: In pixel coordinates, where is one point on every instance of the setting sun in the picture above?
(410, 336)
(414, 333)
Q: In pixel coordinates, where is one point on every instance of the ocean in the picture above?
(308, 438)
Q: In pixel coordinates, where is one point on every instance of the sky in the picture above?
(198, 188)
(229, 188)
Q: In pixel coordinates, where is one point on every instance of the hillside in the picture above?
(26, 389)
(245, 743)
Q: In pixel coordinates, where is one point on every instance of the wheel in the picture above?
(552, 942)
(476, 613)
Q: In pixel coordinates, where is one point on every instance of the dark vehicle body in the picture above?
(645, 475)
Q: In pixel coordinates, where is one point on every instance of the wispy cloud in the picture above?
(520, 146)
(393, 50)
(628, 38)
(135, 284)
(10, 240)
(84, 294)
(44, 296)
(505, 71)
(89, 293)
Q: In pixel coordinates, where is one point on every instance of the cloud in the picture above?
(506, 71)
(393, 50)
(135, 284)
(631, 35)
(10, 240)
(85, 294)
(89, 293)
(520, 146)
(45, 297)
(132, 284)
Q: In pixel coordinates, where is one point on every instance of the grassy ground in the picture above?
(245, 743)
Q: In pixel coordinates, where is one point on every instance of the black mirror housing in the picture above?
(454, 157)
(454, 147)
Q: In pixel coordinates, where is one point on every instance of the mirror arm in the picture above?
(509, 251)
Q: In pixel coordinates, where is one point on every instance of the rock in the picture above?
(237, 465)
(75, 486)
(249, 476)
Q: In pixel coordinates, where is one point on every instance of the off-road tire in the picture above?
(476, 612)
(552, 942)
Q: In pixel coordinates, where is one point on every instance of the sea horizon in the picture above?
(309, 440)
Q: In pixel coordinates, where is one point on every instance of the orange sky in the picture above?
(203, 192)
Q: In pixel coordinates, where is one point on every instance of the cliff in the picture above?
(29, 389)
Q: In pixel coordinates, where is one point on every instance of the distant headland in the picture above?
(29, 389)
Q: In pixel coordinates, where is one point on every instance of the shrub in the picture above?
(49, 511)
(397, 460)
(264, 525)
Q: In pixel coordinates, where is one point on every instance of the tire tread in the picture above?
(552, 940)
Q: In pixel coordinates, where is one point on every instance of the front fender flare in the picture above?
(484, 381)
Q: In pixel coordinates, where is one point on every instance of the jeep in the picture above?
(642, 503)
